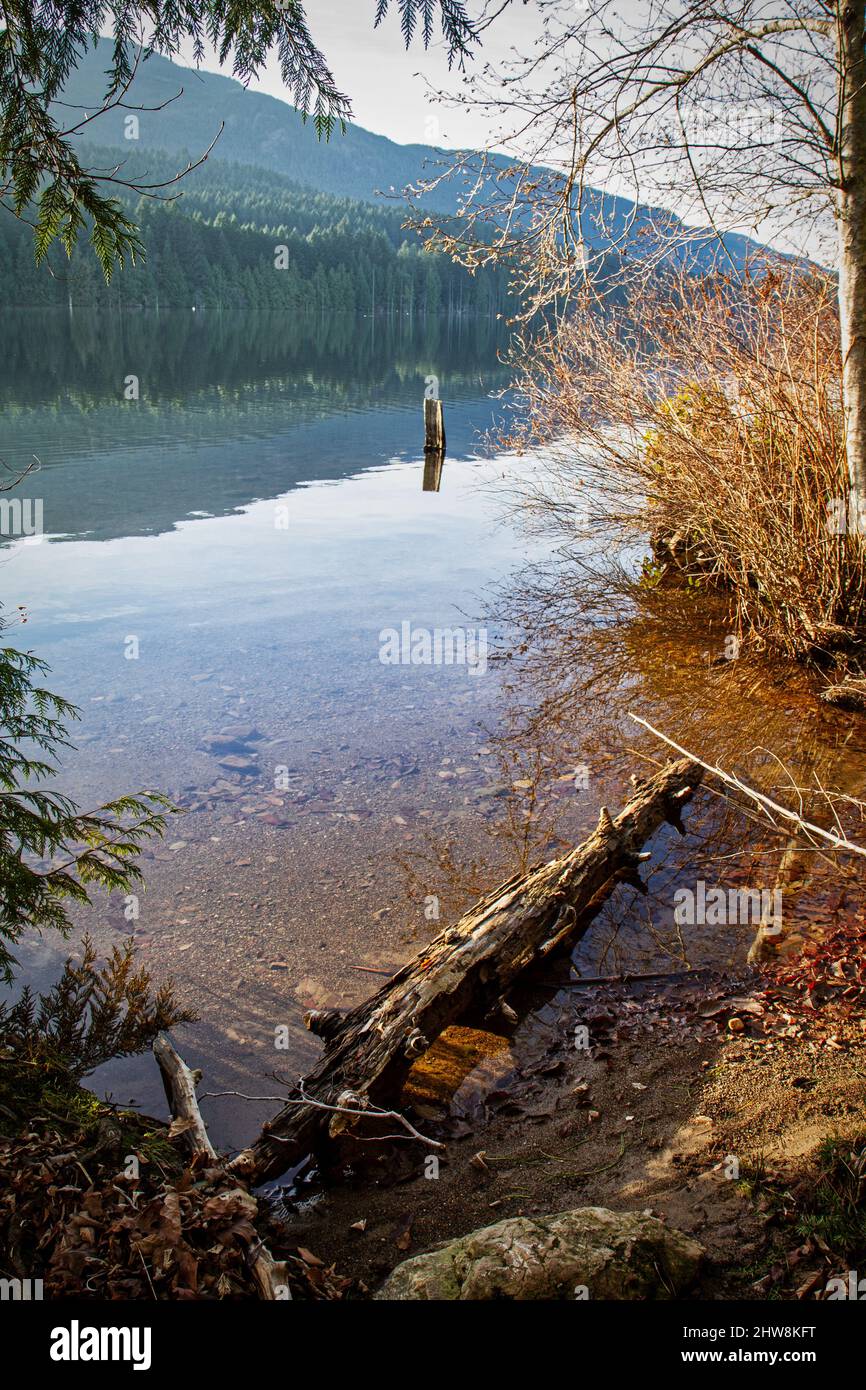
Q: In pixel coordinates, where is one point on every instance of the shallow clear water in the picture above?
(225, 553)
(226, 549)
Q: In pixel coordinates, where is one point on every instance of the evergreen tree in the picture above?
(51, 852)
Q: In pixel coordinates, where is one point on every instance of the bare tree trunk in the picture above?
(851, 214)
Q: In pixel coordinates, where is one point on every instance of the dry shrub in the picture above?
(700, 427)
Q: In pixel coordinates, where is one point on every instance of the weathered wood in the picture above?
(179, 1083)
(270, 1275)
(325, 1023)
(434, 427)
(470, 965)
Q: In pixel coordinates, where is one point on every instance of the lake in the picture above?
(259, 610)
(233, 516)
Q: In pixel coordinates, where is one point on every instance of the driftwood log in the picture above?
(466, 969)
(180, 1083)
(270, 1275)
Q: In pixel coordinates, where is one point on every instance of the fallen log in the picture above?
(270, 1275)
(468, 966)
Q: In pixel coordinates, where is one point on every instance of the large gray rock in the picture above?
(589, 1253)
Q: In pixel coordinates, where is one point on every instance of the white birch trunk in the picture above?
(851, 211)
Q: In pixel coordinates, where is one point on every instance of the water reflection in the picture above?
(277, 889)
(142, 420)
(434, 460)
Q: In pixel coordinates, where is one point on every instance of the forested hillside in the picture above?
(275, 218)
(255, 129)
(179, 111)
(242, 236)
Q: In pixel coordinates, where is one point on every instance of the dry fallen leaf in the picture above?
(310, 1259)
(178, 1127)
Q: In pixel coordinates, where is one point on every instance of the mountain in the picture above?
(262, 131)
(258, 130)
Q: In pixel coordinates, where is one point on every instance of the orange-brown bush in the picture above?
(701, 426)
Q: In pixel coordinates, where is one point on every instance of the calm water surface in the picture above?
(248, 525)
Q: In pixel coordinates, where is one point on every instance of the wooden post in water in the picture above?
(432, 470)
(434, 427)
(434, 444)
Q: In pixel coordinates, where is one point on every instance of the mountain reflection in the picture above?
(144, 420)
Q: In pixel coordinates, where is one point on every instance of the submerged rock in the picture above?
(233, 738)
(588, 1253)
(237, 762)
(491, 791)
